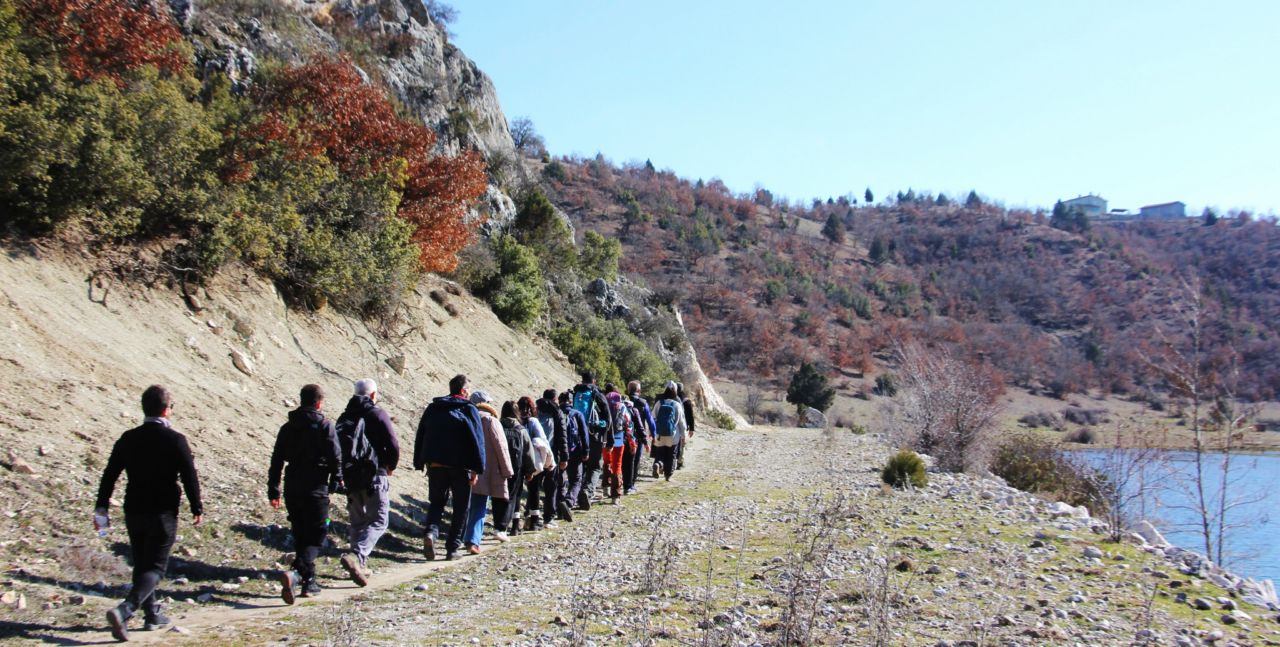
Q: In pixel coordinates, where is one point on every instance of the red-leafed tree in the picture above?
(106, 38)
(324, 108)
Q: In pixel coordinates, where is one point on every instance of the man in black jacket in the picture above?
(599, 424)
(554, 423)
(154, 457)
(688, 421)
(368, 491)
(449, 445)
(309, 445)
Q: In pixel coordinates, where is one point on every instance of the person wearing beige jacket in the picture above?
(497, 469)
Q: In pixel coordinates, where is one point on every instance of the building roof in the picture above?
(1163, 204)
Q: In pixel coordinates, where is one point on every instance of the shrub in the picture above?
(1082, 435)
(1034, 464)
(1041, 420)
(515, 290)
(808, 388)
(610, 350)
(721, 419)
(599, 256)
(539, 226)
(886, 385)
(1082, 416)
(904, 469)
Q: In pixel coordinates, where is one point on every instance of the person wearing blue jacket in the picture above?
(579, 448)
(450, 446)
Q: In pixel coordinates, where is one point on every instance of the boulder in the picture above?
(1151, 535)
(811, 418)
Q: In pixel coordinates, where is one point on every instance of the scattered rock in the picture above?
(76, 600)
(396, 363)
(1093, 552)
(813, 419)
(20, 466)
(187, 551)
(182, 631)
(242, 362)
(1202, 604)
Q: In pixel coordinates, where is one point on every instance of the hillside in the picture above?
(1058, 312)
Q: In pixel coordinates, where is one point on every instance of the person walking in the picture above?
(544, 459)
(616, 442)
(555, 424)
(579, 445)
(590, 402)
(369, 459)
(497, 470)
(450, 446)
(687, 406)
(155, 457)
(668, 429)
(643, 426)
(520, 451)
(307, 451)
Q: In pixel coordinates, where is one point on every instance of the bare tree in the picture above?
(1127, 480)
(1203, 376)
(526, 138)
(754, 403)
(945, 407)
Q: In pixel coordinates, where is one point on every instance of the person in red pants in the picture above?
(614, 450)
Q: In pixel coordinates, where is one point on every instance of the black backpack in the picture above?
(359, 460)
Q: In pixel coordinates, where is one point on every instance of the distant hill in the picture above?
(762, 288)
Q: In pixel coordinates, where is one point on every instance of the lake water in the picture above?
(1252, 550)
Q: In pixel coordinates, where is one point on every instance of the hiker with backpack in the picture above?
(668, 430)
(579, 446)
(616, 442)
(307, 451)
(555, 424)
(643, 432)
(591, 403)
(450, 446)
(370, 454)
(523, 466)
(545, 461)
(687, 406)
(497, 469)
(154, 457)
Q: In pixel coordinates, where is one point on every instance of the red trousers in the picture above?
(613, 470)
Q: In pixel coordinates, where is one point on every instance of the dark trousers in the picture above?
(665, 457)
(680, 454)
(630, 464)
(504, 510)
(309, 521)
(552, 492)
(573, 481)
(444, 483)
(533, 506)
(591, 471)
(151, 538)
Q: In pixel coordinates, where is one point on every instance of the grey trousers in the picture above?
(368, 510)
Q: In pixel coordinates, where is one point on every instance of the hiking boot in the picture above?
(351, 562)
(565, 512)
(118, 618)
(429, 543)
(584, 503)
(449, 556)
(311, 589)
(680, 464)
(614, 500)
(288, 582)
(655, 469)
(154, 619)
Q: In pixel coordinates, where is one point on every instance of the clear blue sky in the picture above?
(1026, 101)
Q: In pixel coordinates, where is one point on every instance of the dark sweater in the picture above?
(558, 434)
(378, 429)
(154, 457)
(308, 444)
(449, 434)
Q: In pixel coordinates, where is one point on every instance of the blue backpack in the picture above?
(585, 403)
(666, 416)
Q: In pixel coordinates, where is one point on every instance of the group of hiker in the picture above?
(529, 462)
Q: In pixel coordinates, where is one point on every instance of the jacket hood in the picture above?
(359, 404)
(584, 387)
(485, 407)
(305, 415)
(613, 398)
(451, 403)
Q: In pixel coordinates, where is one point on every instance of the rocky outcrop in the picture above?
(400, 46)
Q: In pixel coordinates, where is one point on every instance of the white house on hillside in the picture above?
(1090, 205)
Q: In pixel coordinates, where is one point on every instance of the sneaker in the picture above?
(501, 537)
(288, 582)
(311, 589)
(155, 619)
(615, 500)
(429, 543)
(118, 618)
(550, 524)
(584, 502)
(473, 549)
(655, 469)
(630, 490)
(351, 563)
